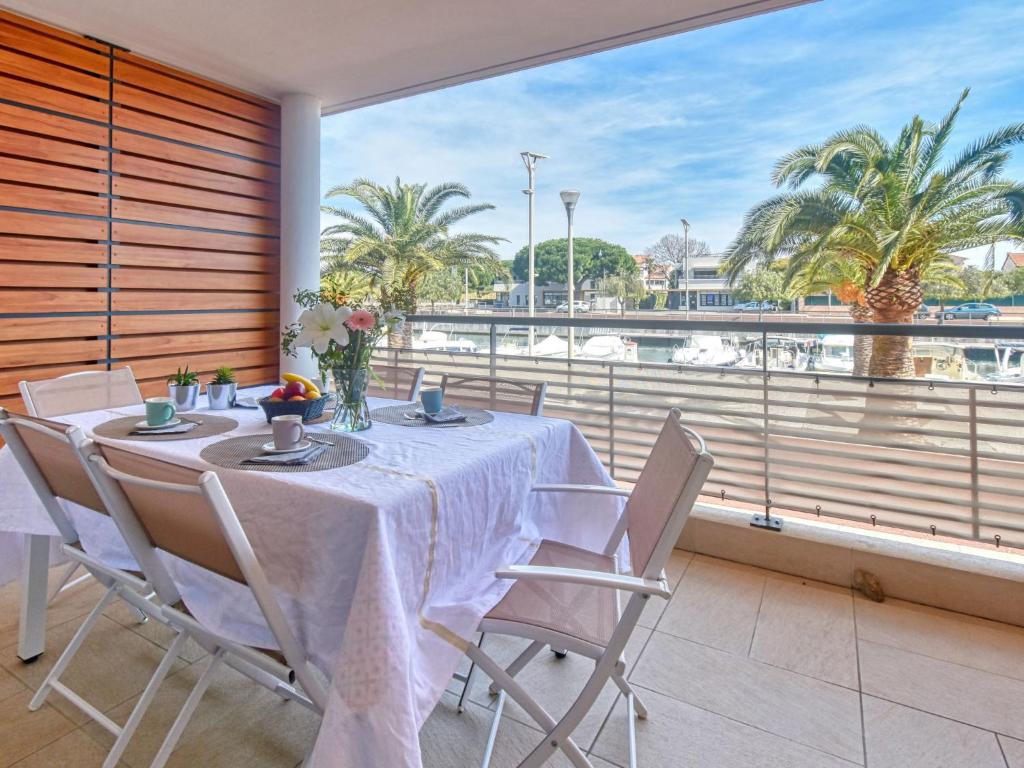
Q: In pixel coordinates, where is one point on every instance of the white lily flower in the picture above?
(321, 325)
(395, 320)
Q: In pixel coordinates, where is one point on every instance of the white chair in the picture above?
(396, 382)
(496, 394)
(568, 597)
(49, 454)
(166, 507)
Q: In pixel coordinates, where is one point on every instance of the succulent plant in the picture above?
(184, 378)
(223, 375)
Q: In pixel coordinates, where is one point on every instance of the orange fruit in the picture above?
(275, 400)
(312, 396)
(297, 398)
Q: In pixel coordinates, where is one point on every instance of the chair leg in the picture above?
(627, 690)
(493, 734)
(519, 663)
(187, 710)
(469, 678)
(68, 573)
(69, 653)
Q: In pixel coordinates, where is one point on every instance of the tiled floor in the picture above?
(743, 668)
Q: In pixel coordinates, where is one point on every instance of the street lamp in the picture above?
(686, 263)
(569, 198)
(530, 161)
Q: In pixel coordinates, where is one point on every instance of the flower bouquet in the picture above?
(342, 339)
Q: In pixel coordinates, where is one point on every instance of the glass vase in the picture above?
(351, 413)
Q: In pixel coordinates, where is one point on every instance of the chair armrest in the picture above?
(601, 490)
(590, 578)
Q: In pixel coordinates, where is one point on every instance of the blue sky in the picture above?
(690, 126)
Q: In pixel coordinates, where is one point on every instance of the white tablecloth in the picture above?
(384, 567)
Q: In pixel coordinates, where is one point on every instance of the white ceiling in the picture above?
(352, 53)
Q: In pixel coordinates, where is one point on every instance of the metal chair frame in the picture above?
(536, 389)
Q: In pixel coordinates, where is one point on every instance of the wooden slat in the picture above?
(190, 217)
(34, 121)
(133, 277)
(205, 363)
(47, 46)
(190, 134)
(158, 149)
(29, 172)
(12, 223)
(60, 34)
(138, 189)
(16, 300)
(175, 344)
(20, 196)
(31, 249)
(122, 325)
(28, 68)
(52, 150)
(24, 328)
(147, 169)
(17, 275)
(171, 108)
(246, 377)
(15, 354)
(145, 256)
(10, 377)
(133, 301)
(181, 238)
(49, 98)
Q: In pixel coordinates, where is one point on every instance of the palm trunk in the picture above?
(893, 300)
(861, 342)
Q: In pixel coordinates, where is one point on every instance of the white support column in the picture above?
(300, 211)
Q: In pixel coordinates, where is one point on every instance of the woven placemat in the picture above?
(232, 452)
(396, 414)
(119, 429)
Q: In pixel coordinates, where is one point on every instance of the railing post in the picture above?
(972, 421)
(766, 520)
(611, 419)
(494, 349)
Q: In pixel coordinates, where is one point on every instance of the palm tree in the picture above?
(402, 236)
(892, 208)
(623, 286)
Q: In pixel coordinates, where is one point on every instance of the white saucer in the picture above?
(146, 425)
(269, 447)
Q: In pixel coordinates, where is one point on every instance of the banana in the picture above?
(309, 385)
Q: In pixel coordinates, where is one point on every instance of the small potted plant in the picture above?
(221, 389)
(184, 389)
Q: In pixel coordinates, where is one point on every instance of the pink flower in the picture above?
(361, 320)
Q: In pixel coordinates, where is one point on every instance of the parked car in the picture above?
(756, 306)
(923, 312)
(974, 310)
(580, 306)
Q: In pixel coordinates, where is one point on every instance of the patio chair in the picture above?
(496, 394)
(166, 507)
(395, 382)
(50, 455)
(568, 597)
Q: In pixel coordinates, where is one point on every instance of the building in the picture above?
(1013, 261)
(656, 276)
(708, 289)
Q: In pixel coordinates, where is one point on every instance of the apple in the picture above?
(297, 398)
(277, 394)
(294, 389)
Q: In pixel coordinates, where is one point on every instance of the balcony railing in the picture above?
(941, 456)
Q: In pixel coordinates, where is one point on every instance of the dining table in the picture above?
(384, 567)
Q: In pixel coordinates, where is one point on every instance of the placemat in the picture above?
(395, 414)
(232, 452)
(119, 428)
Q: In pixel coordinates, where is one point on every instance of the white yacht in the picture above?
(609, 347)
(833, 353)
(706, 350)
(435, 339)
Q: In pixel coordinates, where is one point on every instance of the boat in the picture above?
(609, 347)
(833, 353)
(551, 345)
(706, 350)
(435, 340)
(784, 354)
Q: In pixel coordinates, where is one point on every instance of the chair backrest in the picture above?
(664, 494)
(396, 382)
(495, 394)
(45, 451)
(78, 392)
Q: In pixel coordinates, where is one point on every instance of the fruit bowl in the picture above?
(308, 409)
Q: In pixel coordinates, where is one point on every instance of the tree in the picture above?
(673, 251)
(592, 260)
(893, 207)
(623, 286)
(1015, 282)
(403, 235)
(982, 284)
(763, 283)
(442, 285)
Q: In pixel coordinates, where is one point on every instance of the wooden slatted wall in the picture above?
(138, 215)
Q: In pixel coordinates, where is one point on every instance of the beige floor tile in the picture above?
(900, 737)
(69, 605)
(76, 750)
(112, 665)
(678, 735)
(814, 713)
(9, 685)
(1013, 751)
(23, 732)
(973, 642)
(808, 627)
(971, 696)
(152, 630)
(676, 566)
(238, 724)
(451, 740)
(716, 604)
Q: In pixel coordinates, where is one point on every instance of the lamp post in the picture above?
(569, 198)
(686, 264)
(530, 161)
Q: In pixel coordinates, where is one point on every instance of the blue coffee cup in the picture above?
(159, 410)
(432, 399)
